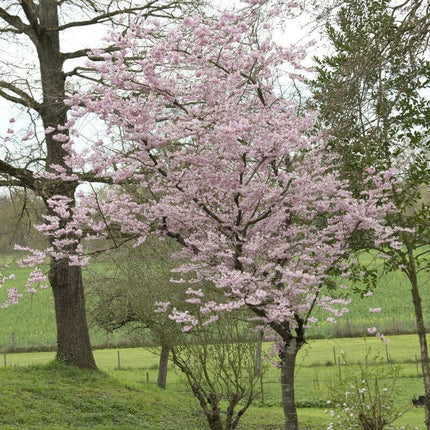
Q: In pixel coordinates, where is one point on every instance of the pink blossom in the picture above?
(162, 306)
(60, 137)
(382, 337)
(194, 300)
(374, 310)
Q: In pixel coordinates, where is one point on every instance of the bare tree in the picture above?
(38, 83)
(219, 364)
(123, 289)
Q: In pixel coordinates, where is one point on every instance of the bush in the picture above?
(364, 397)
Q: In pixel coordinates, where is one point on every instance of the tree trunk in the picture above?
(288, 361)
(258, 351)
(412, 274)
(163, 366)
(215, 422)
(73, 341)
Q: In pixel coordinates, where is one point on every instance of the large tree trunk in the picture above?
(288, 361)
(163, 366)
(73, 341)
(416, 298)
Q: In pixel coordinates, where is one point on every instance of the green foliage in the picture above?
(369, 91)
(124, 287)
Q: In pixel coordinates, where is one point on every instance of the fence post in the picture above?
(4, 355)
(12, 341)
(119, 361)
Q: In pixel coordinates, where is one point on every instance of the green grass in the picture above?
(392, 295)
(55, 397)
(32, 322)
(40, 397)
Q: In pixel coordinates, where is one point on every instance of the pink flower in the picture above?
(374, 310)
(382, 337)
(162, 306)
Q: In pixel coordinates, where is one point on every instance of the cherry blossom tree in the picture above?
(198, 119)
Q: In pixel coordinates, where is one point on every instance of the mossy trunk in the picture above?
(73, 340)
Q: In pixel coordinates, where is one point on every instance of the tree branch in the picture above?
(22, 177)
(14, 21)
(21, 97)
(30, 12)
(107, 16)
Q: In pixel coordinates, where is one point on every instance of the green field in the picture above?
(31, 324)
(124, 395)
(38, 397)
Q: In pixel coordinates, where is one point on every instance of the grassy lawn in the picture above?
(123, 395)
(127, 397)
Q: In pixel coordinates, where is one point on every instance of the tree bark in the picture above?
(288, 361)
(73, 341)
(163, 366)
(417, 301)
(215, 422)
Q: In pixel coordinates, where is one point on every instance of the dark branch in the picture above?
(21, 177)
(20, 97)
(107, 16)
(14, 21)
